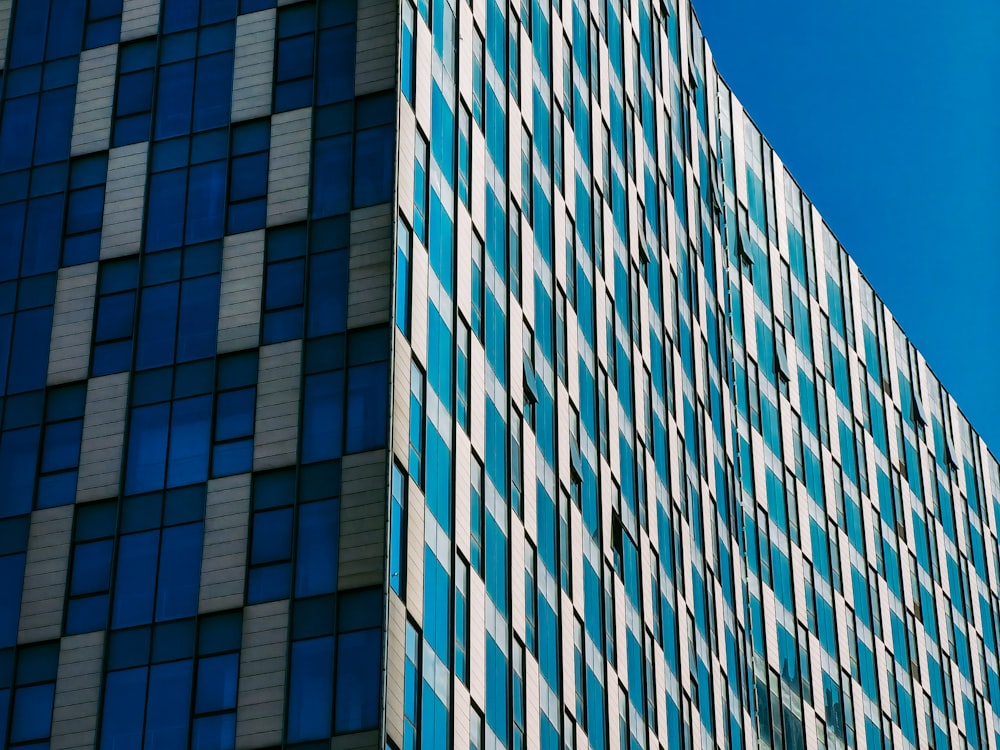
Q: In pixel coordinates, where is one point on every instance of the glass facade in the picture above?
(413, 375)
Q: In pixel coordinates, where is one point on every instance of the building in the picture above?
(445, 375)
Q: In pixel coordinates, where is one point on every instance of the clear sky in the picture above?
(887, 112)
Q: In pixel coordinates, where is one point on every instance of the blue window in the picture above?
(374, 149)
(18, 457)
(84, 209)
(316, 554)
(104, 20)
(194, 84)
(310, 695)
(236, 389)
(296, 40)
(284, 284)
(367, 390)
(61, 445)
(169, 439)
(478, 284)
(397, 532)
(404, 282)
(463, 341)
(24, 340)
(477, 513)
(214, 724)
(134, 92)
(248, 166)
(34, 693)
(326, 303)
(332, 161)
(411, 687)
(478, 77)
(530, 599)
(464, 154)
(115, 316)
(462, 620)
(421, 161)
(159, 558)
(90, 574)
(270, 561)
(13, 545)
(335, 54)
(187, 204)
(416, 459)
(148, 686)
(359, 657)
(408, 52)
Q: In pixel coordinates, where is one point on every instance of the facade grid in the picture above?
(422, 375)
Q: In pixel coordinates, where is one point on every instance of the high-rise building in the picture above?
(446, 374)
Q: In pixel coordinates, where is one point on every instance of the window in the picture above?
(194, 81)
(90, 574)
(579, 672)
(284, 284)
(565, 551)
(270, 573)
(477, 512)
(518, 695)
(516, 462)
(562, 365)
(397, 532)
(296, 40)
(159, 557)
(478, 77)
(148, 682)
(462, 620)
(404, 282)
(374, 150)
(557, 149)
(477, 739)
(408, 53)
(478, 285)
(236, 396)
(416, 423)
(187, 191)
(33, 695)
(134, 92)
(526, 176)
(218, 669)
(248, 162)
(411, 688)
(462, 374)
(115, 316)
(421, 160)
(570, 278)
(530, 598)
(514, 245)
(13, 547)
(345, 394)
(61, 445)
(464, 154)
(85, 209)
(359, 659)
(170, 428)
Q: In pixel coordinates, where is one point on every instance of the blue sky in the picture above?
(888, 115)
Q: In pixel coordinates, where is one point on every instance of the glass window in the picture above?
(411, 687)
(421, 160)
(90, 572)
(248, 166)
(478, 76)
(296, 39)
(462, 620)
(478, 285)
(404, 282)
(416, 423)
(408, 52)
(464, 154)
(271, 537)
(134, 92)
(284, 284)
(374, 149)
(85, 209)
(398, 532)
(235, 400)
(462, 374)
(530, 599)
(477, 511)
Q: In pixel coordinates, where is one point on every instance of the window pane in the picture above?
(169, 705)
(32, 712)
(367, 402)
(124, 708)
(358, 668)
(180, 571)
(217, 683)
(310, 696)
(322, 420)
(135, 580)
(316, 565)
